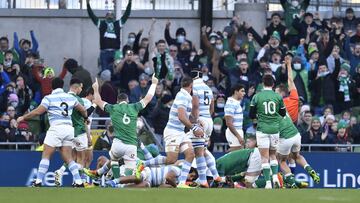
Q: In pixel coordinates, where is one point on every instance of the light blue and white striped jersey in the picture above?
(182, 100)
(158, 174)
(205, 95)
(234, 109)
(59, 106)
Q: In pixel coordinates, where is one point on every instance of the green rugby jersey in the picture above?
(234, 162)
(77, 119)
(287, 128)
(267, 104)
(124, 117)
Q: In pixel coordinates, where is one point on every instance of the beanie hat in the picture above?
(218, 120)
(13, 98)
(315, 118)
(105, 75)
(342, 124)
(312, 50)
(48, 70)
(345, 66)
(276, 35)
(330, 116)
(180, 31)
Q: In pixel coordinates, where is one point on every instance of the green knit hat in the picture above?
(218, 120)
(315, 118)
(276, 35)
(312, 50)
(342, 124)
(153, 149)
(345, 66)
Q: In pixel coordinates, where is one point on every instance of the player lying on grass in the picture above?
(104, 166)
(290, 139)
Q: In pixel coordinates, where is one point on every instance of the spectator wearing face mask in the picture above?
(301, 78)
(218, 134)
(22, 134)
(25, 47)
(322, 86)
(180, 36)
(130, 42)
(109, 30)
(219, 106)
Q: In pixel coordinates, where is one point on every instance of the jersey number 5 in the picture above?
(126, 119)
(65, 108)
(270, 107)
(206, 98)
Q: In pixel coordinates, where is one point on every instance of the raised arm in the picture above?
(148, 97)
(16, 43)
(126, 13)
(35, 44)
(97, 98)
(291, 83)
(167, 35)
(93, 17)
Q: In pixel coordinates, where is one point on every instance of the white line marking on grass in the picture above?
(329, 198)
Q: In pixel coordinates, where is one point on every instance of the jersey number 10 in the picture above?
(270, 107)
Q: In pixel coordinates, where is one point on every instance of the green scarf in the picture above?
(169, 65)
(344, 87)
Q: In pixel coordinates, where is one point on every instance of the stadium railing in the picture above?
(18, 145)
(273, 5)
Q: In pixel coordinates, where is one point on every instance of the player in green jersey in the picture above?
(290, 140)
(124, 116)
(81, 138)
(268, 107)
(243, 163)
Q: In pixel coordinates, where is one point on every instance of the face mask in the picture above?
(7, 63)
(343, 75)
(297, 66)
(131, 40)
(177, 75)
(149, 71)
(180, 39)
(220, 105)
(294, 3)
(217, 128)
(323, 74)
(219, 47)
(212, 41)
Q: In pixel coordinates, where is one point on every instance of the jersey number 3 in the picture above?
(270, 107)
(65, 108)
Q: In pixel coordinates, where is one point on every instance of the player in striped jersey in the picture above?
(176, 141)
(203, 106)
(234, 118)
(59, 106)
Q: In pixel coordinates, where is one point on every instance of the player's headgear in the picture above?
(195, 73)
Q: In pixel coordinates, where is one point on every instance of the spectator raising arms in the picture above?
(109, 30)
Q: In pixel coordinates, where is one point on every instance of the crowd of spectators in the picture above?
(325, 57)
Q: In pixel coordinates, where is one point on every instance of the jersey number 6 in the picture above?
(126, 119)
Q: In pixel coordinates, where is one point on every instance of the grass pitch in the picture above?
(102, 195)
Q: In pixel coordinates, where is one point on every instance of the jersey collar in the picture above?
(57, 90)
(123, 102)
(71, 92)
(267, 88)
(185, 92)
(198, 81)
